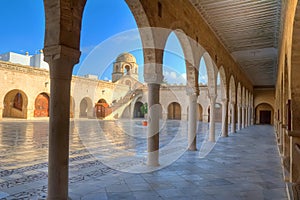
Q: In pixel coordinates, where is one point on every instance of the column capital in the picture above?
(61, 52)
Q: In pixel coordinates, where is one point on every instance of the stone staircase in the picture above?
(118, 107)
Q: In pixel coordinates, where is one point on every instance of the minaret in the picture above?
(125, 65)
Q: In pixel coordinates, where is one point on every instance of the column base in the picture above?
(153, 159)
(224, 135)
(192, 149)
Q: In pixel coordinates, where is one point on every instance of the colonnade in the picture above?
(62, 37)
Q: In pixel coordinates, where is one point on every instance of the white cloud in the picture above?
(173, 75)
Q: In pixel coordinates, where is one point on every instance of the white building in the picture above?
(36, 60)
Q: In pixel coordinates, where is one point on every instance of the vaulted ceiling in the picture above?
(249, 29)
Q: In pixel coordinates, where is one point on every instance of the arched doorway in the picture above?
(264, 114)
(15, 104)
(86, 108)
(200, 113)
(41, 105)
(137, 113)
(101, 108)
(174, 111)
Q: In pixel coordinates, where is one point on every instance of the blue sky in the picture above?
(108, 29)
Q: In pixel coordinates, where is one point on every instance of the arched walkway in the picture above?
(15, 104)
(174, 111)
(41, 105)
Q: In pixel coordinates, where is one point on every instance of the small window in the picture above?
(159, 9)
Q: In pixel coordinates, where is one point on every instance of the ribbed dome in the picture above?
(126, 57)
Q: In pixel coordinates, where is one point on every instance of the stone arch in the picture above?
(41, 105)
(239, 94)
(232, 90)
(86, 108)
(223, 83)
(15, 104)
(187, 45)
(174, 111)
(138, 12)
(202, 74)
(211, 74)
(264, 114)
(173, 50)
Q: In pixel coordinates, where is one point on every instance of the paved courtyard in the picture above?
(107, 161)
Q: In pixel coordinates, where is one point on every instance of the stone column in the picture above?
(243, 116)
(192, 122)
(212, 137)
(239, 117)
(233, 125)
(224, 118)
(246, 116)
(61, 60)
(252, 116)
(153, 124)
(249, 116)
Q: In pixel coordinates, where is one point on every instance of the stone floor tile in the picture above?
(238, 167)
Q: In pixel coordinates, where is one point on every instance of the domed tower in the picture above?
(125, 65)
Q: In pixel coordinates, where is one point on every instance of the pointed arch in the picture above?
(174, 62)
(232, 90)
(223, 83)
(239, 94)
(211, 74)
